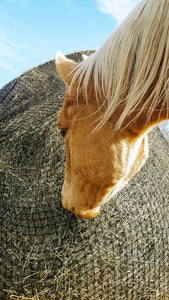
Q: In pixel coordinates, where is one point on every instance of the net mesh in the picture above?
(47, 253)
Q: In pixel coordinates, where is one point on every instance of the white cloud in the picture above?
(16, 45)
(119, 9)
(15, 58)
(8, 68)
(10, 53)
(12, 43)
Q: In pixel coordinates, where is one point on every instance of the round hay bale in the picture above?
(46, 252)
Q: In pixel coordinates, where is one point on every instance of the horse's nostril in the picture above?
(73, 210)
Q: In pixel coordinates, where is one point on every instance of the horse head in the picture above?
(99, 163)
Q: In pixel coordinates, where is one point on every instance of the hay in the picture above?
(46, 253)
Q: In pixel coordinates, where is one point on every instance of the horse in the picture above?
(113, 99)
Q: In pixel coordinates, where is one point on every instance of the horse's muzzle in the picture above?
(82, 214)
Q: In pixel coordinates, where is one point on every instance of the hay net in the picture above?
(45, 252)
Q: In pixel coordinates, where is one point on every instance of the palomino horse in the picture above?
(113, 99)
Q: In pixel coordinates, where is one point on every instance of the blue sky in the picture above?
(31, 31)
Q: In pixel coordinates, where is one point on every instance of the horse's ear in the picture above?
(65, 67)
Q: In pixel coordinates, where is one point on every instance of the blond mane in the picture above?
(132, 66)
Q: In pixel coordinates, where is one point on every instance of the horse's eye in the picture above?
(63, 132)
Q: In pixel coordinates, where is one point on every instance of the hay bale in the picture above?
(46, 253)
